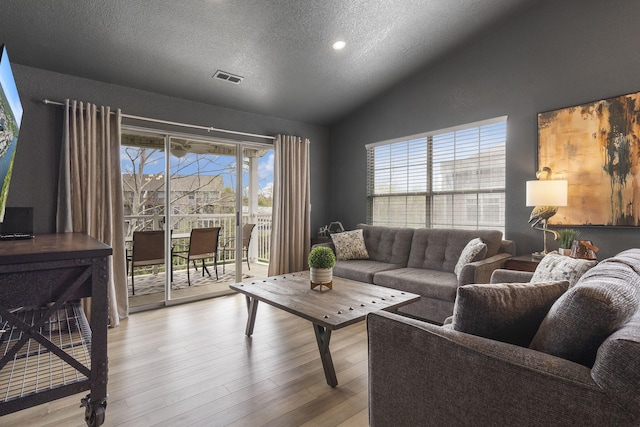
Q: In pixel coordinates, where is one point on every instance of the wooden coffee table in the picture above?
(347, 303)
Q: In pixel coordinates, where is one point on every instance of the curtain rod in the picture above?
(166, 122)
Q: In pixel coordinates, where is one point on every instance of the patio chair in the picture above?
(203, 244)
(230, 245)
(147, 249)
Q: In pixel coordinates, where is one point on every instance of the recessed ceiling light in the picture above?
(339, 45)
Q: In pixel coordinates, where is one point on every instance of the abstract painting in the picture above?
(596, 147)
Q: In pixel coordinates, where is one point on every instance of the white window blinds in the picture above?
(453, 178)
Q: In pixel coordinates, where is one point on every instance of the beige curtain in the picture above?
(291, 229)
(90, 189)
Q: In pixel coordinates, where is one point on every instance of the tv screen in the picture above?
(10, 119)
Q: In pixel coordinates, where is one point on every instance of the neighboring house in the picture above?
(190, 194)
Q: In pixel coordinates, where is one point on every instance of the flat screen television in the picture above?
(10, 119)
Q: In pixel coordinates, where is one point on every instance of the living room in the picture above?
(548, 56)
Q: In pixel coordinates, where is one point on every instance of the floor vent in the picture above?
(232, 78)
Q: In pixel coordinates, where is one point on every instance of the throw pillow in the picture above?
(470, 253)
(579, 322)
(350, 245)
(555, 267)
(507, 312)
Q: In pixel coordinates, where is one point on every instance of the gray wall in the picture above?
(35, 173)
(555, 54)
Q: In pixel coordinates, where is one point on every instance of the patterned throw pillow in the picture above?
(470, 253)
(555, 267)
(507, 312)
(350, 245)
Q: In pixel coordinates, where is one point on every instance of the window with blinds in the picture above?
(454, 178)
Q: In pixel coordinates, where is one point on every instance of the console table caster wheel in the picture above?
(93, 414)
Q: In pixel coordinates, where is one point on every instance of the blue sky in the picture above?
(155, 165)
(9, 87)
(265, 169)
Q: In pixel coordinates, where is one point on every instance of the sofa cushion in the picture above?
(630, 257)
(475, 250)
(617, 367)
(361, 270)
(436, 284)
(604, 299)
(439, 249)
(387, 244)
(349, 245)
(507, 312)
(559, 267)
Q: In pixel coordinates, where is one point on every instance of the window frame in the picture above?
(430, 194)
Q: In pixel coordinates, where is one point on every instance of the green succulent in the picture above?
(321, 257)
(566, 236)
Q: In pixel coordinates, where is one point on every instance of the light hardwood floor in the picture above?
(202, 285)
(191, 364)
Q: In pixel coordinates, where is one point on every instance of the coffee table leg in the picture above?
(323, 336)
(252, 308)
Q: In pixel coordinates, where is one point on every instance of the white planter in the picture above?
(565, 252)
(321, 276)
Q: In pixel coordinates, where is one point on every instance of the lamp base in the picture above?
(544, 230)
(537, 256)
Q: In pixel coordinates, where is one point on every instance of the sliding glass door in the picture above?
(144, 194)
(212, 198)
(249, 243)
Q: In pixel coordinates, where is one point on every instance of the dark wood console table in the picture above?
(48, 349)
(522, 263)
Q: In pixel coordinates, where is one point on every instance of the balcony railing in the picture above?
(260, 239)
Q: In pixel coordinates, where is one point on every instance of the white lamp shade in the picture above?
(547, 192)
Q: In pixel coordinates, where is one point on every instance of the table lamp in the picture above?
(546, 195)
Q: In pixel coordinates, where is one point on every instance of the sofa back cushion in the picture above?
(630, 257)
(387, 244)
(439, 249)
(605, 298)
(617, 367)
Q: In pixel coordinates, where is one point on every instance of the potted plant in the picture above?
(321, 261)
(566, 236)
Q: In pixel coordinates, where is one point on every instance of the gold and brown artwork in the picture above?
(596, 147)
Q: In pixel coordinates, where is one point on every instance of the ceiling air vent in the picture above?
(231, 78)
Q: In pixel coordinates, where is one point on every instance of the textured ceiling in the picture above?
(282, 48)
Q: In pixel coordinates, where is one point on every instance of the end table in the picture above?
(522, 263)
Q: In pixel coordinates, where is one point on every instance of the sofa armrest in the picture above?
(424, 374)
(510, 276)
(508, 246)
(480, 271)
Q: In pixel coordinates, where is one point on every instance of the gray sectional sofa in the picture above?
(582, 366)
(422, 261)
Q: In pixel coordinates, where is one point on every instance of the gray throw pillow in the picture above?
(350, 245)
(579, 322)
(507, 312)
(559, 267)
(471, 252)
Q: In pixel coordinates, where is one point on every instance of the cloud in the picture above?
(265, 167)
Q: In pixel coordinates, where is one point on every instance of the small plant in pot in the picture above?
(566, 236)
(321, 261)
